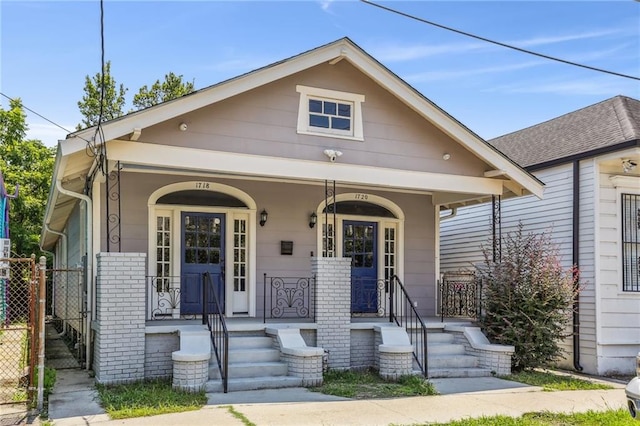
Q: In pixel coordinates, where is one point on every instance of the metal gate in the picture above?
(66, 318)
(18, 329)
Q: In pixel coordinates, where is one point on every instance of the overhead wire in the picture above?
(498, 43)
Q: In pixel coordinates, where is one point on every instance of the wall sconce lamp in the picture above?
(183, 127)
(446, 156)
(628, 165)
(263, 217)
(313, 219)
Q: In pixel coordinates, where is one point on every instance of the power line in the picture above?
(508, 46)
(39, 115)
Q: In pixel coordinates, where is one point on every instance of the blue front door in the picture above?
(202, 251)
(360, 244)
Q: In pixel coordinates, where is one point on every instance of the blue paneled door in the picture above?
(359, 241)
(202, 251)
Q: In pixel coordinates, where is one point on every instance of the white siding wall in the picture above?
(618, 311)
(588, 187)
(463, 236)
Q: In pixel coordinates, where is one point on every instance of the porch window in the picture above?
(163, 253)
(389, 252)
(631, 242)
(330, 113)
(328, 241)
(239, 255)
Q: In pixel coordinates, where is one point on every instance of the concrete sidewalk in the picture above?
(74, 402)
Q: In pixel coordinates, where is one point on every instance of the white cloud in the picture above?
(48, 134)
(587, 86)
(539, 41)
(458, 73)
(397, 53)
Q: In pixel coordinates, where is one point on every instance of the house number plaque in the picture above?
(362, 197)
(202, 185)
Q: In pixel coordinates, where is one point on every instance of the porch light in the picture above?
(263, 217)
(313, 219)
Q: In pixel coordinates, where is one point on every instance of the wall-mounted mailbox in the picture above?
(286, 248)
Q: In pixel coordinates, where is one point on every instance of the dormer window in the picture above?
(330, 113)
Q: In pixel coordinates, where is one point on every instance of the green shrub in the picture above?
(527, 299)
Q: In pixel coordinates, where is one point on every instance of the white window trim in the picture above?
(307, 93)
(623, 185)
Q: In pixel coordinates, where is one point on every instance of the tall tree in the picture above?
(28, 163)
(114, 100)
(172, 87)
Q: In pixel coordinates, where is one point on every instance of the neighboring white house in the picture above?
(588, 161)
(231, 179)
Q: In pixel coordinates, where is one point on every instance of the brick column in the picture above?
(120, 317)
(333, 308)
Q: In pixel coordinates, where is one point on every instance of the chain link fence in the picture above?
(65, 325)
(18, 334)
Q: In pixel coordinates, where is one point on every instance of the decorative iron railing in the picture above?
(164, 297)
(460, 295)
(288, 297)
(213, 318)
(403, 313)
(368, 296)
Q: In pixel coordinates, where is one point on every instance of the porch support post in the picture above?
(333, 309)
(120, 318)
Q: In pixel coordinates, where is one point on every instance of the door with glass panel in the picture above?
(359, 241)
(202, 238)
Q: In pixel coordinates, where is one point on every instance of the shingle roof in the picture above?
(604, 124)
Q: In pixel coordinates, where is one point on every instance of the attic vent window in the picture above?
(330, 113)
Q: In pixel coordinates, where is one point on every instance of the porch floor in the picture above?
(257, 324)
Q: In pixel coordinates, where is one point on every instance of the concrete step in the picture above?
(437, 373)
(445, 349)
(254, 383)
(253, 355)
(436, 338)
(452, 361)
(250, 342)
(251, 369)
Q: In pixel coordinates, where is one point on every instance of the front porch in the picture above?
(396, 341)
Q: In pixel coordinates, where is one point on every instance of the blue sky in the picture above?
(47, 49)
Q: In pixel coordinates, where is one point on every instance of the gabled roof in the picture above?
(604, 125)
(72, 163)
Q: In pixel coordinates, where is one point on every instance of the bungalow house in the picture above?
(588, 162)
(295, 192)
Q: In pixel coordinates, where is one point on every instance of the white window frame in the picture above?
(355, 100)
(623, 185)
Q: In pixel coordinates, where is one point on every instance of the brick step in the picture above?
(452, 361)
(250, 342)
(445, 349)
(253, 355)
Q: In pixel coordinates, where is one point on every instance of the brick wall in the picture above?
(158, 349)
(333, 308)
(362, 348)
(120, 318)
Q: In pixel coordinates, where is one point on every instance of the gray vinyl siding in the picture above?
(263, 121)
(289, 206)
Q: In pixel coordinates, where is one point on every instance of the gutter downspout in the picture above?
(63, 237)
(89, 271)
(576, 263)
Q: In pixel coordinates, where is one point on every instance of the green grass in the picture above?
(147, 398)
(367, 384)
(554, 382)
(238, 415)
(591, 418)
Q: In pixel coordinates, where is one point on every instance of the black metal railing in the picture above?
(288, 297)
(460, 295)
(213, 317)
(403, 313)
(164, 297)
(368, 296)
